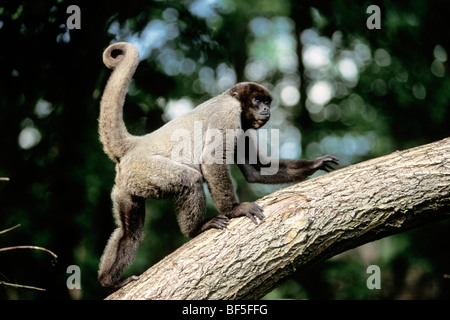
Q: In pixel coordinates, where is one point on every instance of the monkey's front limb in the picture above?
(288, 170)
(220, 185)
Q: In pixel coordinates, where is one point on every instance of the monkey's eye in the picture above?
(257, 101)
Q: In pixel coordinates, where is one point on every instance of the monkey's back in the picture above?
(221, 112)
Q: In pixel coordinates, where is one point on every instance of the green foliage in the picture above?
(339, 88)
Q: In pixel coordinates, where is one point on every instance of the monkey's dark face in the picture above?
(255, 102)
(259, 112)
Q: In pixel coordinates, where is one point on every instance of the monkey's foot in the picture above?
(218, 222)
(124, 281)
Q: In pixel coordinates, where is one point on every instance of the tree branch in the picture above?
(305, 223)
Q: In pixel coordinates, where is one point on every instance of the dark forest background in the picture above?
(339, 88)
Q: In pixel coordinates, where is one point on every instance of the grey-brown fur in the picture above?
(146, 169)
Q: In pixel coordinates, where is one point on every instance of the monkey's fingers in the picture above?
(218, 222)
(248, 209)
(327, 167)
(330, 158)
(248, 214)
(256, 211)
(335, 161)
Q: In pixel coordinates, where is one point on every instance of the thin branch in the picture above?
(25, 247)
(20, 286)
(30, 247)
(6, 230)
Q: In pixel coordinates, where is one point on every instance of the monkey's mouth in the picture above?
(264, 115)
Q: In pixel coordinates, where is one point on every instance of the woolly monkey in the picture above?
(146, 167)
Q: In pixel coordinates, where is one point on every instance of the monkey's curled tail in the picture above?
(123, 58)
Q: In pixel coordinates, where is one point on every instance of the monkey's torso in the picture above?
(222, 112)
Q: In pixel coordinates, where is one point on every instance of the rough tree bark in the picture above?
(305, 223)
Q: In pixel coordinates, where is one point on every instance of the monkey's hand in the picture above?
(323, 163)
(248, 209)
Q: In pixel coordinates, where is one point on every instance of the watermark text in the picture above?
(215, 146)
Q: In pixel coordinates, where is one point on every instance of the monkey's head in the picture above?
(255, 103)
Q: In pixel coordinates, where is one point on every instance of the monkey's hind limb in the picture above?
(129, 213)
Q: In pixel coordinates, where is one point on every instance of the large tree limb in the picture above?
(305, 223)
